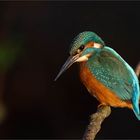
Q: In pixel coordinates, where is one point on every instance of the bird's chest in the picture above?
(91, 83)
(98, 89)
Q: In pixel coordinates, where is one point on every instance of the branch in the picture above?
(137, 70)
(97, 118)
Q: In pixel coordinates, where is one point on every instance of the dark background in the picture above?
(38, 107)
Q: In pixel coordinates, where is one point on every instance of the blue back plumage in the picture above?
(110, 69)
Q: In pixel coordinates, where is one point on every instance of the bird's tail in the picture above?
(135, 104)
(135, 99)
(137, 114)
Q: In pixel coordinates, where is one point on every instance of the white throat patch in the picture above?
(97, 45)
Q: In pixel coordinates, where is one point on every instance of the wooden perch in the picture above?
(137, 70)
(97, 118)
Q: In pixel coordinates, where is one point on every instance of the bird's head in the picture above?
(82, 48)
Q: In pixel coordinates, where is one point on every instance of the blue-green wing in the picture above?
(110, 69)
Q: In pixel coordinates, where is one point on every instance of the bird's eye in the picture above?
(80, 48)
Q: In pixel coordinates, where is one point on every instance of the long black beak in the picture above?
(67, 64)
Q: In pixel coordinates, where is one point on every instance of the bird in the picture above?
(104, 73)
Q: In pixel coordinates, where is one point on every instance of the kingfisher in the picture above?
(105, 74)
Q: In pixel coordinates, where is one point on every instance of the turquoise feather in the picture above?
(112, 71)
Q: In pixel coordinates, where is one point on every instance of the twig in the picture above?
(137, 70)
(97, 118)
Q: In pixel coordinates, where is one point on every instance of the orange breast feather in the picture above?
(96, 88)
